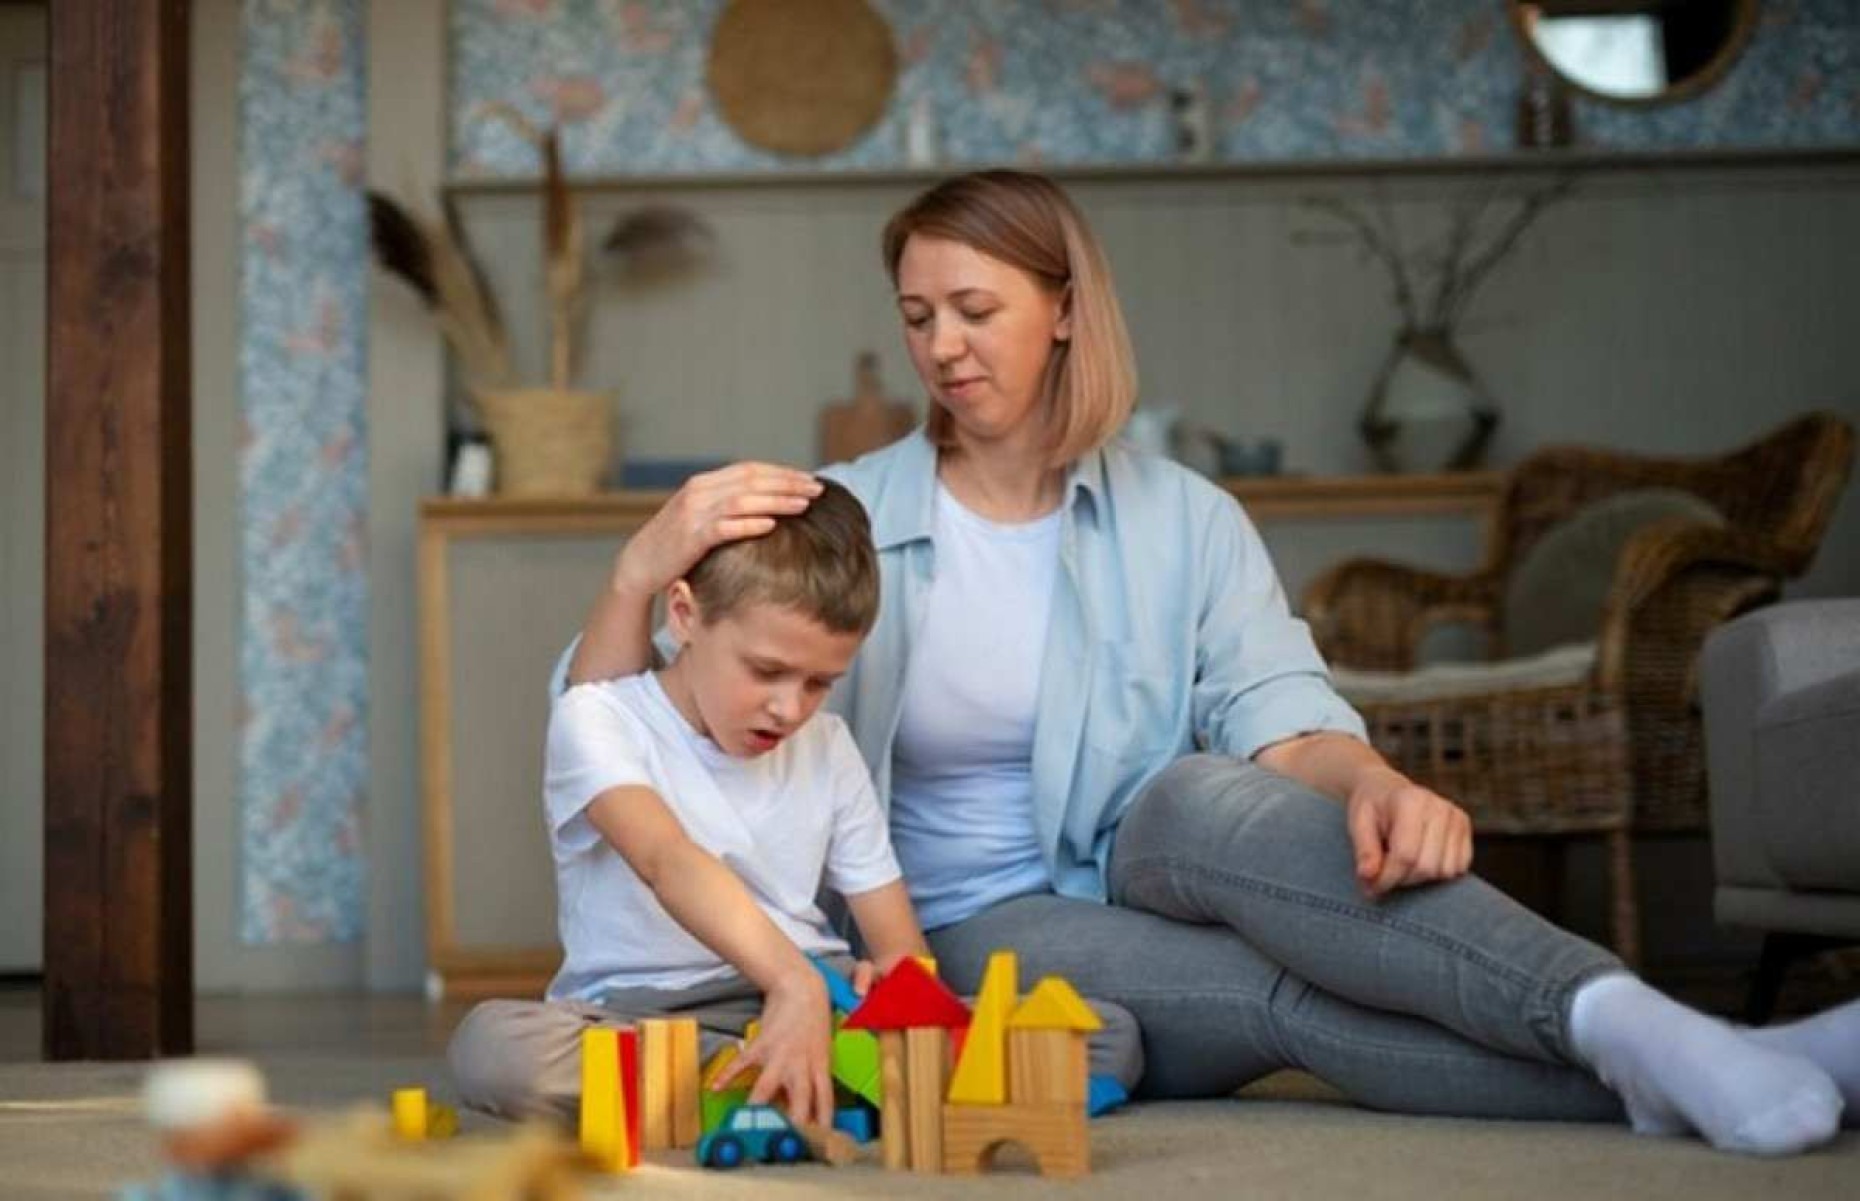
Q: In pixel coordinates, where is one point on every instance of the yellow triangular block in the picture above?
(1053, 1005)
(981, 1074)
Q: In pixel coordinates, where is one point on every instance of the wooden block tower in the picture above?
(913, 1015)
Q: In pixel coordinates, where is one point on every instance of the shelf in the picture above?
(1468, 493)
(1587, 160)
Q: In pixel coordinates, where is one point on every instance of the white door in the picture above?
(22, 484)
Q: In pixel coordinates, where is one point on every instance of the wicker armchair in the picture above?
(1621, 750)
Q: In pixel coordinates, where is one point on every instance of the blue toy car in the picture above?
(758, 1132)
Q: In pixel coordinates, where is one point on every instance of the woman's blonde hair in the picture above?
(1028, 222)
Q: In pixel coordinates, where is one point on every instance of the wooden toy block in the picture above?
(442, 1121)
(981, 1072)
(855, 1064)
(655, 1084)
(410, 1113)
(926, 1079)
(687, 1126)
(908, 996)
(715, 1106)
(894, 1113)
(1055, 1135)
(603, 1122)
(828, 1145)
(857, 1122)
(629, 1092)
(839, 989)
(718, 1065)
(1054, 1005)
(358, 1156)
(1047, 1067)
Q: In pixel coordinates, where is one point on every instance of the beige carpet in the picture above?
(72, 1131)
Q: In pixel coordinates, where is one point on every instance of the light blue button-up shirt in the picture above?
(1169, 633)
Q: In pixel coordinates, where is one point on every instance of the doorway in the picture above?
(22, 485)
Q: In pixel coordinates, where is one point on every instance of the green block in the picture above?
(714, 1107)
(855, 1063)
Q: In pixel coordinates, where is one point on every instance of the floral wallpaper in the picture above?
(303, 472)
(1087, 81)
(1034, 81)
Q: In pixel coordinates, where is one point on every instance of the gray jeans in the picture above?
(522, 1059)
(1237, 935)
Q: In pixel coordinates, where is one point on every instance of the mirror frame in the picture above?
(1697, 84)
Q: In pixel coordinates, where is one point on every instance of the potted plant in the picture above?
(1427, 408)
(555, 438)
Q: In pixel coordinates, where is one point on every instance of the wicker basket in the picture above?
(549, 443)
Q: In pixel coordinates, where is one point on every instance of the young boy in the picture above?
(696, 812)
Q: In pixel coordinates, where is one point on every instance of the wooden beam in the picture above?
(118, 638)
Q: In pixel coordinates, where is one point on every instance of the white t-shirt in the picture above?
(784, 823)
(962, 764)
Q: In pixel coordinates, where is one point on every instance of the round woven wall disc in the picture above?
(801, 76)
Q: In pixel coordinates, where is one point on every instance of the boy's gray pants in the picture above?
(521, 1059)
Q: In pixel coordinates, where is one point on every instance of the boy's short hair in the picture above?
(820, 562)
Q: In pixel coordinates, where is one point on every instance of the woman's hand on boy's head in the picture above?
(739, 501)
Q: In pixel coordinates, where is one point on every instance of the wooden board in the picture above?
(118, 946)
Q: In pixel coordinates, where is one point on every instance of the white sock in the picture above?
(1678, 1069)
(1832, 1040)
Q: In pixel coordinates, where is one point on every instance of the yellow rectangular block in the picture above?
(687, 1123)
(410, 1113)
(655, 1084)
(603, 1105)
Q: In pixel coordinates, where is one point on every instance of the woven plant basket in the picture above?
(549, 443)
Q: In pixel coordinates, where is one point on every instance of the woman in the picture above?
(1063, 624)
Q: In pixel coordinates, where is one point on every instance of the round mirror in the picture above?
(1636, 51)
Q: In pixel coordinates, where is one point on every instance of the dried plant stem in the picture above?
(467, 315)
(1530, 207)
(562, 245)
(1372, 240)
(1464, 260)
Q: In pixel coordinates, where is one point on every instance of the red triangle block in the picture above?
(908, 996)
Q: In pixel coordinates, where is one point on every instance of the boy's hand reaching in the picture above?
(793, 1050)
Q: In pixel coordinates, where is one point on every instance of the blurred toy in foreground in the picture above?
(225, 1144)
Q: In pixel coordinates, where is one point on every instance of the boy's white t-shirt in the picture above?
(784, 823)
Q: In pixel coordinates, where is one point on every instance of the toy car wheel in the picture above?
(787, 1148)
(725, 1153)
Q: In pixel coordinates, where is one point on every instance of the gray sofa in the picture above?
(1781, 692)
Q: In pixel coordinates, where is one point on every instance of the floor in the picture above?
(72, 1130)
